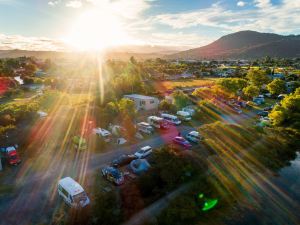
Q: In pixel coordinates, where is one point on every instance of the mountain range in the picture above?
(245, 45)
(239, 45)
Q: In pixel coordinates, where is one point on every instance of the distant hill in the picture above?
(141, 52)
(245, 45)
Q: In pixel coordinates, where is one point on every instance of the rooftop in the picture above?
(139, 96)
(71, 185)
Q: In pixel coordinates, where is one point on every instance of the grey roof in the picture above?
(137, 96)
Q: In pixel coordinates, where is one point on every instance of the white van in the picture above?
(145, 128)
(157, 122)
(72, 193)
(171, 119)
(185, 116)
(102, 133)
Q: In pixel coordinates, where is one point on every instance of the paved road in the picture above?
(35, 199)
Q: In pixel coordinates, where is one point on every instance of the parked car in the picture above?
(185, 116)
(194, 136)
(123, 160)
(181, 141)
(10, 155)
(269, 95)
(104, 134)
(237, 110)
(171, 119)
(113, 175)
(263, 113)
(72, 193)
(281, 96)
(143, 152)
(268, 108)
(189, 109)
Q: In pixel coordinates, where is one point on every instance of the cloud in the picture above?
(53, 3)
(9, 42)
(282, 18)
(241, 3)
(74, 4)
(264, 3)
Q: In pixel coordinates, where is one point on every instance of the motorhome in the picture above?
(72, 193)
(185, 116)
(171, 119)
(157, 122)
(145, 128)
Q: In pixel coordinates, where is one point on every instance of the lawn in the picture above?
(169, 85)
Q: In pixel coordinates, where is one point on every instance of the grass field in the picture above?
(170, 85)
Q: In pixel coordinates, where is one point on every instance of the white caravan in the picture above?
(72, 193)
(145, 128)
(171, 119)
(157, 122)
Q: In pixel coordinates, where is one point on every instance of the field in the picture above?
(170, 85)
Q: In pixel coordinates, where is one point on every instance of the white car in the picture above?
(194, 136)
(143, 152)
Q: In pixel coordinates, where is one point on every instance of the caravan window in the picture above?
(151, 101)
(64, 191)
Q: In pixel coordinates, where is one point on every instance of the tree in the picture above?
(251, 91)
(257, 77)
(276, 87)
(232, 84)
(164, 105)
(127, 106)
(29, 69)
(288, 112)
(181, 99)
(133, 60)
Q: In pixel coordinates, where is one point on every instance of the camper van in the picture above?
(185, 116)
(158, 122)
(72, 193)
(171, 119)
(145, 128)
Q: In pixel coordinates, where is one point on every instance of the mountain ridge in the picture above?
(245, 45)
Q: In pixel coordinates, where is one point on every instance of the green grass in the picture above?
(6, 189)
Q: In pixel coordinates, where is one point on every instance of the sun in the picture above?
(97, 30)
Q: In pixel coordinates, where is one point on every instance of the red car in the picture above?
(10, 155)
(182, 141)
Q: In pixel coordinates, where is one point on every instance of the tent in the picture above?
(139, 166)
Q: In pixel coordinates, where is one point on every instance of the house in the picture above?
(143, 102)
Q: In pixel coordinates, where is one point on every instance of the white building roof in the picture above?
(71, 186)
(136, 96)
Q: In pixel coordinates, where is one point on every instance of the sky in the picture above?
(83, 24)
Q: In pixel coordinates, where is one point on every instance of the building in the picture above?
(143, 102)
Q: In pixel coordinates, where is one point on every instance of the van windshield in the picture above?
(79, 197)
